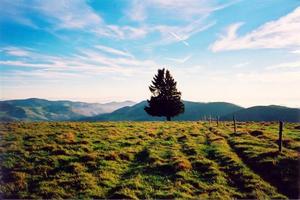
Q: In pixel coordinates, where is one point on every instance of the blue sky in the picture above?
(240, 51)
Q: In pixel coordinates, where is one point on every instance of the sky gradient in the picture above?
(239, 51)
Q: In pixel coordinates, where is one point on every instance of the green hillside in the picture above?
(193, 111)
(198, 111)
(148, 160)
(44, 110)
(266, 113)
(34, 109)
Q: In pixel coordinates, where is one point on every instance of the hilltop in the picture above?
(203, 111)
(35, 109)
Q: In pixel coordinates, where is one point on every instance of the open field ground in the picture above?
(148, 160)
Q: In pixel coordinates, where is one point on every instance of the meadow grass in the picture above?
(139, 160)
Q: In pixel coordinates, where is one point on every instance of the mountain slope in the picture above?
(193, 111)
(44, 110)
(34, 109)
(266, 113)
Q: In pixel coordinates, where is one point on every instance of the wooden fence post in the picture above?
(217, 121)
(234, 124)
(280, 135)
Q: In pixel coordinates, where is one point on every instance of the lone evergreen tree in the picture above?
(165, 99)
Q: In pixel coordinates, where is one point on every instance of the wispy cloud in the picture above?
(67, 15)
(84, 62)
(191, 17)
(14, 51)
(295, 51)
(16, 11)
(287, 65)
(282, 33)
(240, 65)
(180, 60)
(176, 9)
(123, 32)
(266, 77)
(180, 39)
(173, 34)
(113, 51)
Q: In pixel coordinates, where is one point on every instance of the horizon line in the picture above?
(139, 101)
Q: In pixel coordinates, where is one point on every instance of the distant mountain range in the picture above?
(266, 113)
(44, 110)
(193, 111)
(199, 111)
(34, 109)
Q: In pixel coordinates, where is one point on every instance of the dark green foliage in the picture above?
(165, 99)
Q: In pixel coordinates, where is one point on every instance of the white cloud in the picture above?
(277, 78)
(113, 51)
(127, 32)
(176, 9)
(68, 14)
(287, 65)
(180, 39)
(240, 65)
(180, 60)
(119, 62)
(78, 15)
(15, 10)
(86, 62)
(191, 15)
(295, 51)
(138, 11)
(22, 64)
(16, 51)
(282, 33)
(171, 34)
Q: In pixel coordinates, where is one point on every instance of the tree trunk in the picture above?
(168, 118)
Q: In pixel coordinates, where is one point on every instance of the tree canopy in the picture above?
(166, 99)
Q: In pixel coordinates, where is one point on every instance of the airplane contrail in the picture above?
(180, 39)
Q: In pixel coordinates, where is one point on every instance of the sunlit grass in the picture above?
(148, 160)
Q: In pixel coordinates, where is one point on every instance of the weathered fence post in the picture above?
(280, 135)
(217, 121)
(234, 124)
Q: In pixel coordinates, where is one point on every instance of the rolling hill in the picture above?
(198, 111)
(34, 109)
(193, 111)
(266, 113)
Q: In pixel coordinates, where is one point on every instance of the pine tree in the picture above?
(165, 99)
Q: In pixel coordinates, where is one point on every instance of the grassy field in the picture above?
(148, 160)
